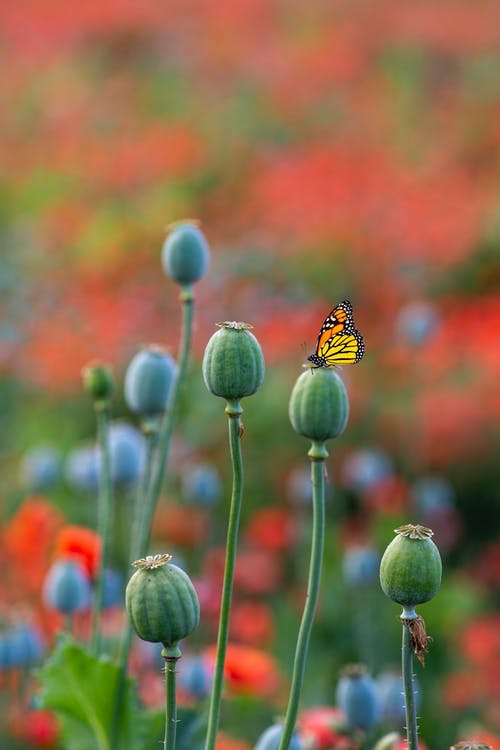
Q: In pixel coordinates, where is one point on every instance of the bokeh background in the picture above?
(330, 150)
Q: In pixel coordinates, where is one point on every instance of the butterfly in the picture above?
(339, 341)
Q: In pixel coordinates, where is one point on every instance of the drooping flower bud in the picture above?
(233, 363)
(148, 381)
(161, 601)
(185, 253)
(410, 571)
(319, 406)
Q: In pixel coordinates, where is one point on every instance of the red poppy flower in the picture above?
(81, 544)
(181, 525)
(272, 528)
(325, 727)
(225, 742)
(252, 623)
(248, 670)
(40, 729)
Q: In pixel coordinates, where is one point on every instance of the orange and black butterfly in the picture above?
(339, 341)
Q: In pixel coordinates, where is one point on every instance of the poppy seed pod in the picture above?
(357, 696)
(410, 570)
(233, 363)
(98, 381)
(148, 381)
(161, 601)
(319, 406)
(270, 739)
(185, 254)
(67, 588)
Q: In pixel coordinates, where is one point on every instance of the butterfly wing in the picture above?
(339, 342)
(343, 349)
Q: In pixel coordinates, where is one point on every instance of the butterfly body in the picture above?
(339, 341)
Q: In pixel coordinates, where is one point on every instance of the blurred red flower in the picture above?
(258, 571)
(81, 544)
(27, 539)
(389, 496)
(225, 742)
(273, 528)
(480, 640)
(186, 526)
(40, 729)
(324, 728)
(248, 670)
(252, 622)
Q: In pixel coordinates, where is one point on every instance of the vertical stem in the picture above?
(103, 517)
(313, 584)
(170, 705)
(153, 477)
(409, 692)
(154, 483)
(140, 528)
(167, 426)
(233, 411)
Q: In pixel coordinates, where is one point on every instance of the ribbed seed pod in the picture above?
(319, 406)
(185, 253)
(233, 363)
(410, 571)
(161, 601)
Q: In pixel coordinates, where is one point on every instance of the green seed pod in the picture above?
(185, 253)
(410, 570)
(161, 601)
(233, 363)
(98, 381)
(319, 406)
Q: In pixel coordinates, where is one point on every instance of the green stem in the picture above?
(409, 692)
(170, 705)
(167, 425)
(233, 410)
(154, 483)
(104, 514)
(313, 585)
(140, 528)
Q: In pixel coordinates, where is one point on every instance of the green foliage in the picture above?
(81, 690)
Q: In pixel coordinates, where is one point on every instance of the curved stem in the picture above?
(313, 584)
(409, 692)
(104, 515)
(170, 705)
(227, 587)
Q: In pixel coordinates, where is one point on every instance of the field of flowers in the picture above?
(329, 151)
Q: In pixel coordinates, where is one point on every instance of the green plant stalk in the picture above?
(139, 529)
(155, 481)
(167, 426)
(234, 411)
(317, 454)
(104, 516)
(409, 692)
(170, 705)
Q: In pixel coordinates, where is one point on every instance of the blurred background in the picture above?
(331, 151)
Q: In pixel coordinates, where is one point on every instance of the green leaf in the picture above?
(82, 690)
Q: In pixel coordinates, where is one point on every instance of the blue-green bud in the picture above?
(185, 253)
(148, 381)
